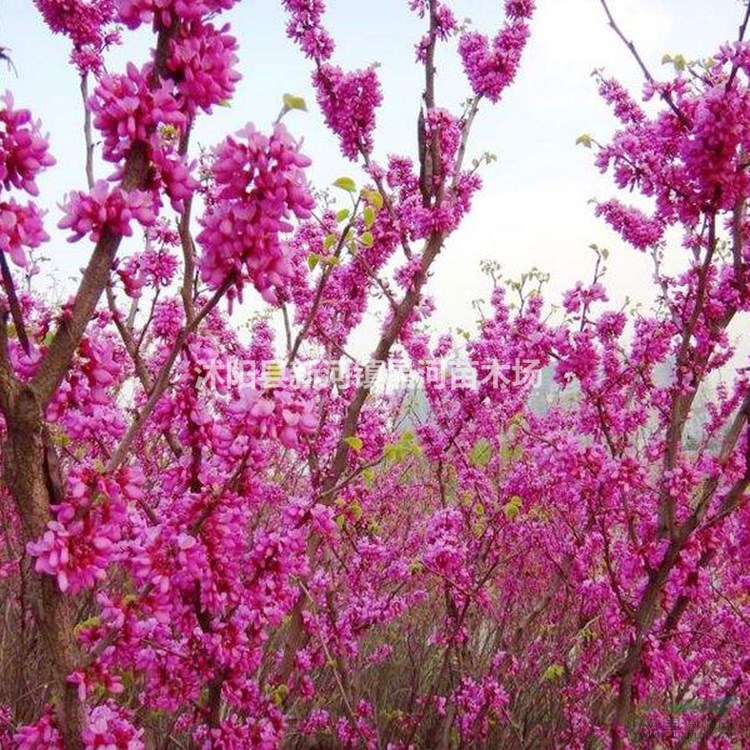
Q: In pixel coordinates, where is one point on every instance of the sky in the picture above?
(534, 209)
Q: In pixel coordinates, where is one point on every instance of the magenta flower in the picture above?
(104, 210)
(127, 110)
(492, 66)
(88, 24)
(20, 227)
(24, 151)
(203, 61)
(348, 102)
(259, 187)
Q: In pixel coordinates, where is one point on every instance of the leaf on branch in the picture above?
(553, 672)
(295, 102)
(346, 183)
(354, 442)
(481, 453)
(374, 198)
(513, 507)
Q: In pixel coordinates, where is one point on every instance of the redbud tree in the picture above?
(192, 560)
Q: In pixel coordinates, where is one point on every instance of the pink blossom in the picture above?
(88, 23)
(259, 187)
(24, 151)
(306, 29)
(135, 12)
(109, 726)
(105, 210)
(492, 65)
(42, 734)
(203, 61)
(128, 111)
(634, 226)
(20, 227)
(349, 102)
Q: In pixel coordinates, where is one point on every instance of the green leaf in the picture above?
(92, 622)
(374, 198)
(279, 694)
(312, 261)
(481, 453)
(342, 214)
(366, 239)
(513, 507)
(584, 140)
(346, 183)
(330, 241)
(295, 102)
(369, 216)
(406, 446)
(354, 442)
(553, 671)
(511, 453)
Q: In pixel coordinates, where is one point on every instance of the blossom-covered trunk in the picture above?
(30, 476)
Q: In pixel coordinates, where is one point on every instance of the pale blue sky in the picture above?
(533, 210)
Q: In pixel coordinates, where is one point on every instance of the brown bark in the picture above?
(30, 469)
(26, 473)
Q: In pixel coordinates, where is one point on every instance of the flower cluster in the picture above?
(106, 210)
(445, 25)
(24, 151)
(81, 542)
(306, 29)
(88, 23)
(278, 415)
(634, 226)
(20, 227)
(491, 65)
(110, 727)
(127, 110)
(41, 734)
(202, 60)
(24, 154)
(348, 102)
(259, 185)
(133, 13)
(152, 268)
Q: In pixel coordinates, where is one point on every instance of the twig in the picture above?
(646, 72)
(15, 307)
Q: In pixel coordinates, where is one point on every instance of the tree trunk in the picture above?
(29, 477)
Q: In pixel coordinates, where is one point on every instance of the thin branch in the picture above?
(162, 380)
(14, 305)
(88, 140)
(140, 367)
(73, 323)
(646, 72)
